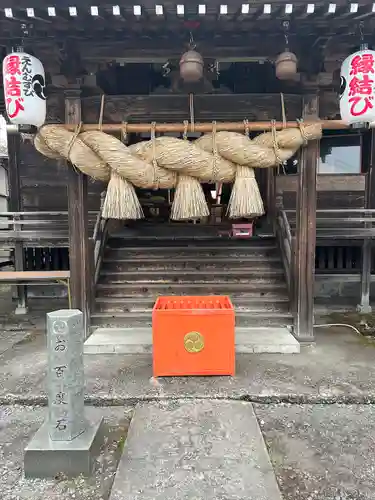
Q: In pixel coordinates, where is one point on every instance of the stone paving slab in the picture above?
(139, 341)
(195, 450)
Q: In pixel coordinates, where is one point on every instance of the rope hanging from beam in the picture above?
(168, 162)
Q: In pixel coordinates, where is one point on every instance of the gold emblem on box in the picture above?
(194, 342)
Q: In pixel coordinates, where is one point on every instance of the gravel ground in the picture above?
(321, 452)
(17, 426)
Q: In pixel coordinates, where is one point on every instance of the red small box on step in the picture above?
(242, 230)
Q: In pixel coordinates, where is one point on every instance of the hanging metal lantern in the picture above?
(286, 62)
(191, 66)
(286, 65)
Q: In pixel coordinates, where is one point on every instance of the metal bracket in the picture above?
(20, 129)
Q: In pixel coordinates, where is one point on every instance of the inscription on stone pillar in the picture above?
(65, 379)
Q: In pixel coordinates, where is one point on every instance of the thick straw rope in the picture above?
(158, 163)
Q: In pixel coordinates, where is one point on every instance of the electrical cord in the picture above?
(338, 324)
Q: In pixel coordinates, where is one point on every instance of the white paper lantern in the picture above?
(357, 88)
(24, 89)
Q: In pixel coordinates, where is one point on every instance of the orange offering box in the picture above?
(193, 336)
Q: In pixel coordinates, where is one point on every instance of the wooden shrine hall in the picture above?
(107, 199)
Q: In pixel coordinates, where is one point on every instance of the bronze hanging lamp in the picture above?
(286, 62)
(191, 64)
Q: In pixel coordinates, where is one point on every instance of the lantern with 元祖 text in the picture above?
(24, 89)
(357, 88)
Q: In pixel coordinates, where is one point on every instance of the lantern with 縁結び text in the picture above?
(357, 88)
(24, 89)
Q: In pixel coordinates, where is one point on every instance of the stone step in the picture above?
(143, 319)
(178, 242)
(144, 277)
(191, 253)
(163, 263)
(207, 288)
(139, 340)
(146, 304)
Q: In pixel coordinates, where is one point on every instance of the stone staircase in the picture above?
(136, 270)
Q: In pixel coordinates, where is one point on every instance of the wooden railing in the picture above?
(285, 242)
(342, 224)
(99, 240)
(332, 224)
(43, 240)
(36, 229)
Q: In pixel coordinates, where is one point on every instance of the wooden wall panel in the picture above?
(207, 107)
(333, 191)
(44, 182)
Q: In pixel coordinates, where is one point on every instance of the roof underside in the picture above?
(104, 30)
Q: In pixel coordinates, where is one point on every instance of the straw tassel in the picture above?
(121, 201)
(245, 197)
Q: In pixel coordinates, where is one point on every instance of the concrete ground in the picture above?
(338, 368)
(315, 409)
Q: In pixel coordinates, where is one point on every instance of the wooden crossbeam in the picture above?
(203, 127)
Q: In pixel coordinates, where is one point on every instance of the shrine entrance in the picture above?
(233, 80)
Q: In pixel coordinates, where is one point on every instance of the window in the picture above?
(340, 155)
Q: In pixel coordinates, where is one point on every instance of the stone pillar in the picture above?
(65, 378)
(66, 443)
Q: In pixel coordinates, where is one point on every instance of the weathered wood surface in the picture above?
(329, 108)
(333, 191)
(366, 260)
(34, 275)
(15, 204)
(305, 239)
(80, 257)
(255, 34)
(328, 200)
(174, 108)
(325, 182)
(44, 181)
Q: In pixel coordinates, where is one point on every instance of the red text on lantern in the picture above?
(12, 86)
(361, 86)
(359, 105)
(362, 64)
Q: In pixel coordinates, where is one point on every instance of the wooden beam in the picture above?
(325, 182)
(15, 205)
(364, 306)
(203, 127)
(79, 251)
(304, 263)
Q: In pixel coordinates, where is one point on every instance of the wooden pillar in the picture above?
(306, 232)
(15, 205)
(79, 256)
(364, 304)
(271, 196)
